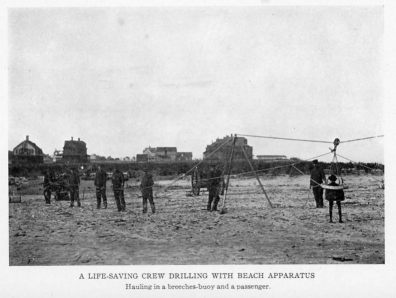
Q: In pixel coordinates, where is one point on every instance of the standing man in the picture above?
(214, 181)
(317, 178)
(100, 183)
(146, 187)
(118, 188)
(74, 184)
(48, 180)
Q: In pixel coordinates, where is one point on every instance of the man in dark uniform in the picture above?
(214, 184)
(317, 178)
(74, 184)
(334, 195)
(100, 183)
(146, 187)
(48, 180)
(118, 188)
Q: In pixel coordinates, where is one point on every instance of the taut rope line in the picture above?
(288, 139)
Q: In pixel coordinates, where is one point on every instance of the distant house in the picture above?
(57, 156)
(165, 153)
(150, 152)
(159, 154)
(94, 157)
(75, 151)
(221, 149)
(48, 159)
(184, 156)
(142, 158)
(27, 152)
(271, 157)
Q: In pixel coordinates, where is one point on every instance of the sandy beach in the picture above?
(183, 232)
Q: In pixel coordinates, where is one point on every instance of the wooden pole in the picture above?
(257, 177)
(229, 173)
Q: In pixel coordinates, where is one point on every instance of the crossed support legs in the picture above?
(257, 177)
(253, 170)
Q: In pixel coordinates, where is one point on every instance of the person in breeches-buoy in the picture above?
(336, 195)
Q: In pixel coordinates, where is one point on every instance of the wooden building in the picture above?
(184, 156)
(75, 151)
(220, 151)
(27, 152)
(163, 154)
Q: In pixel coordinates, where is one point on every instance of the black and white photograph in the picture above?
(196, 135)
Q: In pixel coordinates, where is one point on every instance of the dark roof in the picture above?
(74, 148)
(23, 143)
(173, 149)
(271, 155)
(72, 142)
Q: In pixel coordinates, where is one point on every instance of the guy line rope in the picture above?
(264, 170)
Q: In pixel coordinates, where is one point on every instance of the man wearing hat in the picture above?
(74, 184)
(100, 183)
(118, 188)
(317, 178)
(214, 180)
(146, 187)
(334, 195)
(49, 179)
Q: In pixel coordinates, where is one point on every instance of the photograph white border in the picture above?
(330, 280)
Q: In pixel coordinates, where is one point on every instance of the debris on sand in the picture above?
(342, 259)
(65, 213)
(20, 234)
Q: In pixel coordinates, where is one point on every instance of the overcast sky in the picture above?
(124, 79)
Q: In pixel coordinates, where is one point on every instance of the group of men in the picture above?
(70, 182)
(332, 195)
(118, 180)
(215, 185)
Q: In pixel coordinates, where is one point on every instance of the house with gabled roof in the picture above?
(27, 152)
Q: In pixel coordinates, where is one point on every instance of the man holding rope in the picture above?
(317, 178)
(100, 184)
(146, 187)
(118, 189)
(214, 185)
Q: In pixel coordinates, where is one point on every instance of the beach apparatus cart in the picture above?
(60, 188)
